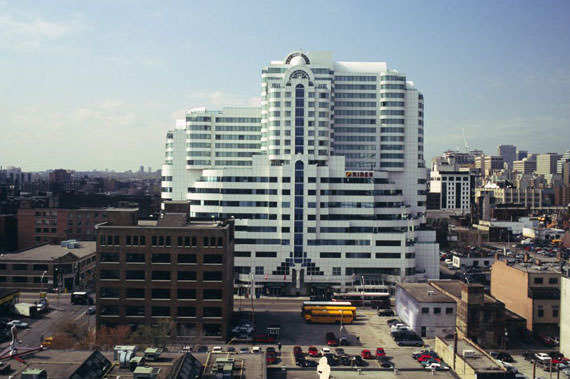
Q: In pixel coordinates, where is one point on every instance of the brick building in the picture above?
(37, 226)
(480, 317)
(69, 266)
(170, 269)
(531, 290)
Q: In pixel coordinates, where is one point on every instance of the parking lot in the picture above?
(368, 331)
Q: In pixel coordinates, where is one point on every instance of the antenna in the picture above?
(465, 142)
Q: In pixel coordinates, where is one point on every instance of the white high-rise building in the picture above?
(326, 180)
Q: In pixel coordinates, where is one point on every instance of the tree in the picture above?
(108, 337)
(157, 335)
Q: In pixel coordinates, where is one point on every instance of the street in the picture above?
(60, 310)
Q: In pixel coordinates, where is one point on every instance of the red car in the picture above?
(313, 352)
(297, 350)
(380, 352)
(270, 358)
(331, 339)
(366, 354)
(264, 338)
(427, 357)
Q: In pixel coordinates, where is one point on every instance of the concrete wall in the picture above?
(410, 311)
(510, 286)
(565, 316)
(462, 368)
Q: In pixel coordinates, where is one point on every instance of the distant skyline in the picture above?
(95, 85)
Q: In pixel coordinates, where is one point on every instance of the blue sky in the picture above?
(94, 85)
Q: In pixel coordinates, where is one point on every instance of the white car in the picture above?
(436, 366)
(256, 349)
(325, 350)
(217, 349)
(543, 357)
(508, 366)
(19, 324)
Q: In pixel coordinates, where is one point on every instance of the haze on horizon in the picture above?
(95, 85)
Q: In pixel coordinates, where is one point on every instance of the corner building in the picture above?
(326, 180)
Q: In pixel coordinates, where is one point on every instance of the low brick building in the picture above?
(480, 317)
(531, 290)
(68, 267)
(170, 269)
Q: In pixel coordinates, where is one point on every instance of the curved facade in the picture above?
(326, 180)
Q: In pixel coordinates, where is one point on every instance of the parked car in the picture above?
(385, 363)
(331, 360)
(343, 341)
(313, 352)
(244, 350)
(331, 339)
(501, 356)
(325, 350)
(359, 361)
(202, 349)
(385, 312)
(393, 321)
(91, 310)
(306, 363)
(270, 357)
(380, 352)
(366, 354)
(256, 349)
(217, 349)
(298, 351)
(231, 349)
(339, 351)
(19, 324)
(437, 367)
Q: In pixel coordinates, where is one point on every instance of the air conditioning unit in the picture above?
(468, 353)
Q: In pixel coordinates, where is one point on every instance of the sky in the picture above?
(95, 85)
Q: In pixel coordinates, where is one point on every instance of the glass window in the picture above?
(186, 275)
(213, 275)
(212, 312)
(161, 311)
(212, 294)
(538, 280)
(448, 310)
(161, 293)
(161, 275)
(135, 275)
(213, 258)
(109, 292)
(186, 311)
(425, 310)
(186, 293)
(135, 293)
(187, 258)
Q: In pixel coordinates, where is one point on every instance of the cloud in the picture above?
(22, 31)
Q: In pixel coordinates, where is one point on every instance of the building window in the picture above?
(258, 270)
(552, 280)
(135, 275)
(161, 311)
(212, 294)
(212, 276)
(109, 293)
(425, 310)
(160, 293)
(212, 330)
(135, 293)
(186, 293)
(109, 310)
(110, 274)
(135, 258)
(437, 310)
(186, 275)
(186, 311)
(160, 258)
(19, 267)
(213, 258)
(212, 312)
(109, 257)
(135, 311)
(187, 258)
(555, 311)
(161, 275)
(540, 310)
(336, 271)
(37, 267)
(538, 280)
(20, 279)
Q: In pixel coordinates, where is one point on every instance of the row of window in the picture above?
(158, 241)
(437, 310)
(107, 257)
(161, 293)
(161, 275)
(159, 311)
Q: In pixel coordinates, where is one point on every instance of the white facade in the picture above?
(454, 188)
(565, 316)
(326, 180)
(425, 310)
(460, 261)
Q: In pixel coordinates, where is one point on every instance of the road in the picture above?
(46, 324)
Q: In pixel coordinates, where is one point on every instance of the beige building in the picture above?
(531, 290)
(69, 266)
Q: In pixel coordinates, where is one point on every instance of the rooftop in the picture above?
(424, 293)
(454, 287)
(50, 252)
(533, 266)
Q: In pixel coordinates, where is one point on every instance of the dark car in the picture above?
(339, 351)
(344, 360)
(502, 356)
(298, 351)
(331, 339)
(385, 363)
(332, 360)
(528, 355)
(202, 349)
(359, 361)
(392, 321)
(385, 312)
(270, 358)
(306, 363)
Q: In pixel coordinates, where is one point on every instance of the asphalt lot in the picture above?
(60, 310)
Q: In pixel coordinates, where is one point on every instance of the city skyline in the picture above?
(114, 77)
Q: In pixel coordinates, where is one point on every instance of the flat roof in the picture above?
(424, 293)
(454, 288)
(49, 252)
